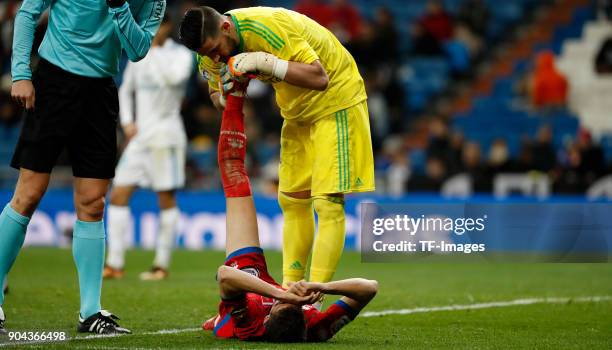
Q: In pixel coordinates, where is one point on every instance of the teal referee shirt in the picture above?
(85, 37)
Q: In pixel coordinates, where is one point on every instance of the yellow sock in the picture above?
(329, 243)
(298, 233)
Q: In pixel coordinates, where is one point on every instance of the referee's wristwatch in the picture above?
(115, 3)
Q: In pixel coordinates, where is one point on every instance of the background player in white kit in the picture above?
(155, 155)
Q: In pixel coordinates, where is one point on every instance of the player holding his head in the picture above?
(253, 305)
(155, 155)
(326, 148)
(71, 103)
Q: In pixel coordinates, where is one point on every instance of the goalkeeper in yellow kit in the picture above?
(326, 148)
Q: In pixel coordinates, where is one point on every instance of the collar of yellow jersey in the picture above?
(237, 25)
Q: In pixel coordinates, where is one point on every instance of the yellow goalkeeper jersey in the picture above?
(295, 37)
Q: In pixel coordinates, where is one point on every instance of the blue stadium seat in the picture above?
(606, 144)
(503, 88)
(505, 11)
(418, 158)
(204, 159)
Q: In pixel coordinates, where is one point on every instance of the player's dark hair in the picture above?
(286, 325)
(198, 25)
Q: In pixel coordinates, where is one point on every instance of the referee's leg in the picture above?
(88, 240)
(15, 216)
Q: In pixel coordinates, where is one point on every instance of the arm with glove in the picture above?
(309, 76)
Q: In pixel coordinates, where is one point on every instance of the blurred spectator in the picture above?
(459, 57)
(570, 178)
(472, 42)
(346, 23)
(424, 43)
(525, 157)
(603, 60)
(432, 30)
(543, 157)
(435, 175)
(205, 125)
(377, 109)
(8, 10)
(592, 156)
(475, 15)
(456, 149)
(317, 10)
(499, 158)
(439, 142)
(549, 88)
(365, 48)
(471, 165)
(398, 172)
(386, 35)
(437, 22)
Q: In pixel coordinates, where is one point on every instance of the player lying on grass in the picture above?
(253, 305)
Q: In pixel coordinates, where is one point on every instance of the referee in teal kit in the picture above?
(71, 103)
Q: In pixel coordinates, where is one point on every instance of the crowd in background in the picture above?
(380, 45)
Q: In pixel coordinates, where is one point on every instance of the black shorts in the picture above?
(70, 112)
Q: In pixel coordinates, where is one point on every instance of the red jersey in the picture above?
(243, 317)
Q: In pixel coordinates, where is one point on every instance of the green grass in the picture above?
(44, 296)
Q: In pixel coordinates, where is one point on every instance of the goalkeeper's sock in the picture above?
(12, 234)
(118, 218)
(168, 223)
(232, 150)
(88, 253)
(298, 233)
(329, 242)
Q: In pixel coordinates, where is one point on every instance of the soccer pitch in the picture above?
(427, 305)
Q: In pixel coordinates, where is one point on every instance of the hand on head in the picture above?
(292, 298)
(304, 288)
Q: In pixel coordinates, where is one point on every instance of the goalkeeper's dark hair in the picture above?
(198, 25)
(286, 325)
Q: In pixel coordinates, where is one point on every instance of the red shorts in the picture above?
(251, 260)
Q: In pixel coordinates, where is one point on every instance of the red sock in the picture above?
(232, 150)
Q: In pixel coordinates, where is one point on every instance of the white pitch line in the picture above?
(488, 305)
(493, 304)
(162, 331)
(99, 336)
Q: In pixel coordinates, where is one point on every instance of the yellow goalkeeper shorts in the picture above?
(330, 155)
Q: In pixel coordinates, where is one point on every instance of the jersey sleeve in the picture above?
(23, 37)
(210, 71)
(321, 326)
(136, 26)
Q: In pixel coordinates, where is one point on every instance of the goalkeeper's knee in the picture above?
(329, 208)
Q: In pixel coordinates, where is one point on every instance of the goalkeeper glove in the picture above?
(258, 62)
(230, 85)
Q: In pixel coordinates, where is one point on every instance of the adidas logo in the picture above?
(296, 266)
(358, 182)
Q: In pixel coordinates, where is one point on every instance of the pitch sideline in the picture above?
(454, 307)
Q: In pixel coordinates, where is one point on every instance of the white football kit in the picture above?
(153, 90)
